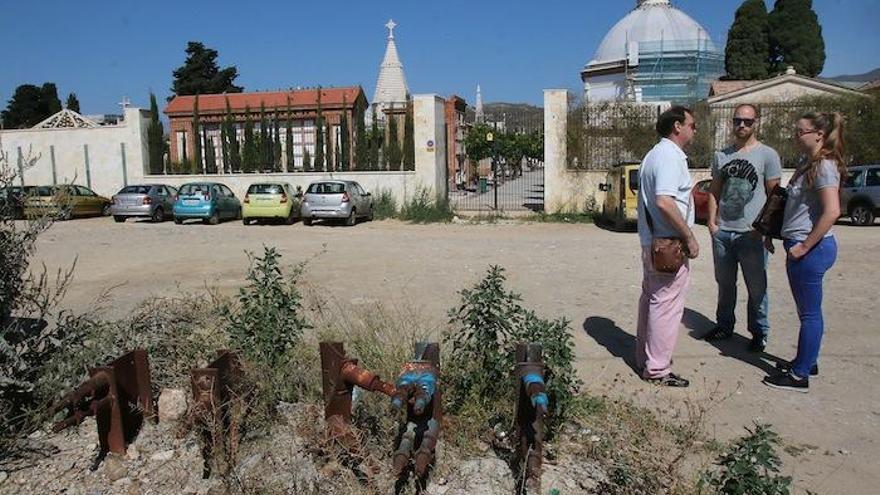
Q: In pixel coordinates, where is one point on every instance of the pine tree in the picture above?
(747, 56)
(50, 103)
(362, 143)
(375, 142)
(796, 37)
(409, 145)
(289, 164)
(319, 136)
(276, 145)
(210, 153)
(155, 138)
(200, 74)
(197, 142)
(249, 155)
(73, 102)
(344, 143)
(330, 155)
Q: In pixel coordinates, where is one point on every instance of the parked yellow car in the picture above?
(621, 187)
(270, 201)
(66, 201)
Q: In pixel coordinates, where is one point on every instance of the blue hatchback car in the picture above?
(210, 202)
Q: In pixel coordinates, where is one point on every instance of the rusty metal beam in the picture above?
(216, 389)
(418, 389)
(531, 406)
(118, 395)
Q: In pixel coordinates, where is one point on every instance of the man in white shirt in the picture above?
(664, 210)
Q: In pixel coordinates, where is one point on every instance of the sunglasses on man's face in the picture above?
(746, 122)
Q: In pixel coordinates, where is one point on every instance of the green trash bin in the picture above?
(483, 184)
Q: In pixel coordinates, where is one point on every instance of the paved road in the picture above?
(523, 193)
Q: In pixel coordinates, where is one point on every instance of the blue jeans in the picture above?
(741, 249)
(805, 278)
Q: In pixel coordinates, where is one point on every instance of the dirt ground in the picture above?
(589, 275)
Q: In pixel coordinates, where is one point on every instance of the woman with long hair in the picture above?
(812, 208)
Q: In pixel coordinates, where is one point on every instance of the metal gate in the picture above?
(510, 176)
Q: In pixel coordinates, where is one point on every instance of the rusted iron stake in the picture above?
(215, 389)
(531, 406)
(418, 389)
(339, 375)
(120, 398)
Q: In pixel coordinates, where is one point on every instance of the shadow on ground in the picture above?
(736, 347)
(613, 338)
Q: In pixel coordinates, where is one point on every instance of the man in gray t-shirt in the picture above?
(742, 176)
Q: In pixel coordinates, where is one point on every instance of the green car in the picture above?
(270, 201)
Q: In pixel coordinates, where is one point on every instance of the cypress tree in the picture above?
(210, 154)
(224, 138)
(73, 102)
(747, 55)
(409, 145)
(249, 155)
(289, 165)
(197, 142)
(331, 156)
(319, 136)
(307, 160)
(265, 142)
(155, 138)
(375, 143)
(232, 143)
(393, 154)
(344, 140)
(796, 37)
(361, 143)
(276, 146)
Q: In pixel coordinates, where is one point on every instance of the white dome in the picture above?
(651, 20)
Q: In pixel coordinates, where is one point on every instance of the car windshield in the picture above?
(194, 189)
(265, 189)
(135, 190)
(326, 188)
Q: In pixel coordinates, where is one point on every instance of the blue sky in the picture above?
(104, 50)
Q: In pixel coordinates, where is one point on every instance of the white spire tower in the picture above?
(391, 89)
(480, 117)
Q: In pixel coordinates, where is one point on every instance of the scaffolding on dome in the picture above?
(677, 71)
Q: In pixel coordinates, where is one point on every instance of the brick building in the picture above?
(302, 106)
(456, 131)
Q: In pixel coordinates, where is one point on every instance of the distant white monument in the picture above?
(391, 88)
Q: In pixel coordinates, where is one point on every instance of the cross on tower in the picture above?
(391, 25)
(125, 103)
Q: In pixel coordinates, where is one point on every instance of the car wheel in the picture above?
(178, 220)
(214, 219)
(307, 222)
(352, 219)
(106, 210)
(118, 219)
(862, 214)
(158, 215)
(245, 221)
(370, 216)
(66, 214)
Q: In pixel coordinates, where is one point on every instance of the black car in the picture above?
(12, 200)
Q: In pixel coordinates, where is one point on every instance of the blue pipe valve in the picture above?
(539, 400)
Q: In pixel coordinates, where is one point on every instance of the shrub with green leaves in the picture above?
(268, 321)
(484, 331)
(384, 205)
(424, 207)
(751, 466)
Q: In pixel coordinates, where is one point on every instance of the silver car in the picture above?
(336, 199)
(154, 201)
(860, 194)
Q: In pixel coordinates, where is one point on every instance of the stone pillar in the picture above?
(429, 136)
(555, 149)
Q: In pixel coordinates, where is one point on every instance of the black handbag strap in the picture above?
(650, 220)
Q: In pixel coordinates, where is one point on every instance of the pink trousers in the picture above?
(661, 307)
